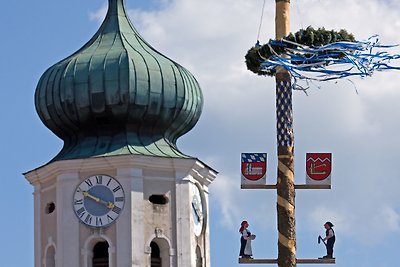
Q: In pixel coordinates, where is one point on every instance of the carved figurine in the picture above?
(245, 240)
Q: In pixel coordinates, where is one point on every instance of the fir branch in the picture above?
(305, 37)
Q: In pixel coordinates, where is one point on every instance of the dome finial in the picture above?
(116, 6)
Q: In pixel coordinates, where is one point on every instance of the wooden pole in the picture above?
(285, 149)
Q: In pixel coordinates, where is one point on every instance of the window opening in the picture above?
(100, 254)
(155, 255)
(199, 259)
(50, 257)
(50, 207)
(158, 199)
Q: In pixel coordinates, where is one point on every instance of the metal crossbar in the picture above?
(298, 261)
(273, 186)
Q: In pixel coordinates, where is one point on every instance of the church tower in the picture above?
(120, 193)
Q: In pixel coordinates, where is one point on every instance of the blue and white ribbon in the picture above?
(332, 61)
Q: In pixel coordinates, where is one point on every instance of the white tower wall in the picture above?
(170, 225)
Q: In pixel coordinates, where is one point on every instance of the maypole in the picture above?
(285, 149)
(306, 55)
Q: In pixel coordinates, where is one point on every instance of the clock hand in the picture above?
(86, 194)
(197, 211)
(109, 204)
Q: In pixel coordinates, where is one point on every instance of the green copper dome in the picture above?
(117, 95)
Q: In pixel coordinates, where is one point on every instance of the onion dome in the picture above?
(117, 95)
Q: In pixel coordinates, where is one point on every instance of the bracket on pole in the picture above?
(275, 261)
(273, 186)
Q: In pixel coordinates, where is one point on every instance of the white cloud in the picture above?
(99, 14)
(210, 38)
(367, 223)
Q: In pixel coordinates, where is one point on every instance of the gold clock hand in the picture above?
(86, 194)
(109, 204)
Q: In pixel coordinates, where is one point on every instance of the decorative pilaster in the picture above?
(68, 252)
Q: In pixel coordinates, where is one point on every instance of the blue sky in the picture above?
(210, 38)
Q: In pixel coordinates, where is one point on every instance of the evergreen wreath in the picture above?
(299, 48)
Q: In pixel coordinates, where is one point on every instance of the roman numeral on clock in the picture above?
(78, 202)
(99, 222)
(99, 179)
(116, 189)
(80, 212)
(116, 209)
(119, 199)
(88, 219)
(110, 219)
(89, 183)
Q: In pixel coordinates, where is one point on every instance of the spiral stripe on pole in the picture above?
(285, 181)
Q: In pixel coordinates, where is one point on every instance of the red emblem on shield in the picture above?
(254, 166)
(318, 165)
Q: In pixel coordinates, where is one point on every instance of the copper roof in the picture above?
(117, 95)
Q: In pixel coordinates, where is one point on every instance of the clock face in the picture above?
(98, 200)
(197, 210)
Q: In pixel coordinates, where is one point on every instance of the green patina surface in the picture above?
(117, 95)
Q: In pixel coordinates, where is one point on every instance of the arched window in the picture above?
(50, 257)
(199, 258)
(100, 254)
(155, 255)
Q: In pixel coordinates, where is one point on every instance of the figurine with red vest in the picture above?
(245, 240)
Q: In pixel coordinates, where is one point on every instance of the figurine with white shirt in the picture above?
(329, 240)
